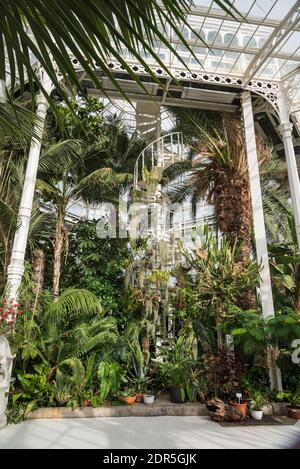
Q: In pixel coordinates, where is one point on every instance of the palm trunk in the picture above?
(38, 268)
(58, 251)
(233, 209)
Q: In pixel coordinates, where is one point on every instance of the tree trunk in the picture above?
(58, 251)
(233, 209)
(218, 326)
(38, 268)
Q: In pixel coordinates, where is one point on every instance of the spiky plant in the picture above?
(218, 280)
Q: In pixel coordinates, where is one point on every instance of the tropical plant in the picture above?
(254, 333)
(258, 400)
(35, 389)
(219, 280)
(12, 173)
(285, 270)
(110, 375)
(217, 170)
(69, 34)
(95, 264)
(292, 398)
(18, 124)
(177, 366)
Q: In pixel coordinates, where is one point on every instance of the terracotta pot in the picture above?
(128, 399)
(294, 412)
(242, 407)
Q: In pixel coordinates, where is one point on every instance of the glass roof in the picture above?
(235, 44)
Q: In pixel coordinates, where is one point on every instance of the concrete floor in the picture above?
(143, 432)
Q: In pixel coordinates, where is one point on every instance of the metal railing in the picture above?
(161, 153)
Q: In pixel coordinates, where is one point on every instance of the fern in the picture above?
(73, 302)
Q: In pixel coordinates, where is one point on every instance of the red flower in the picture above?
(16, 305)
(19, 311)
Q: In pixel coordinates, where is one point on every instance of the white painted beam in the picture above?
(259, 225)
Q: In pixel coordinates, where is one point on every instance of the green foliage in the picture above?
(285, 271)
(218, 279)
(259, 400)
(97, 265)
(110, 375)
(34, 389)
(73, 302)
(177, 367)
(253, 333)
(70, 35)
(292, 398)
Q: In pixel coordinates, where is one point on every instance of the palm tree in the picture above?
(117, 157)
(12, 170)
(97, 168)
(217, 169)
(92, 33)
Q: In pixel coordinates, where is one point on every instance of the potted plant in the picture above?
(294, 403)
(258, 401)
(240, 405)
(175, 370)
(149, 398)
(141, 387)
(128, 395)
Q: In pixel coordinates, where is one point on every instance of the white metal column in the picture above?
(259, 225)
(16, 267)
(286, 128)
(2, 92)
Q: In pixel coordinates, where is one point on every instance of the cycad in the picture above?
(217, 170)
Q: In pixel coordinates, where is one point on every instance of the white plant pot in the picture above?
(149, 398)
(256, 414)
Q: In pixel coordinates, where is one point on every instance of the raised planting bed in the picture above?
(161, 407)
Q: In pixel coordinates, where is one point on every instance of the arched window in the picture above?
(231, 39)
(213, 37)
(250, 42)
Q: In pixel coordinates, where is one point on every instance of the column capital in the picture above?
(285, 128)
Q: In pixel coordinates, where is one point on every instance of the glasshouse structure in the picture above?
(150, 206)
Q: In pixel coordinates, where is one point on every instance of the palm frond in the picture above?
(73, 302)
(91, 33)
(61, 155)
(8, 217)
(17, 124)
